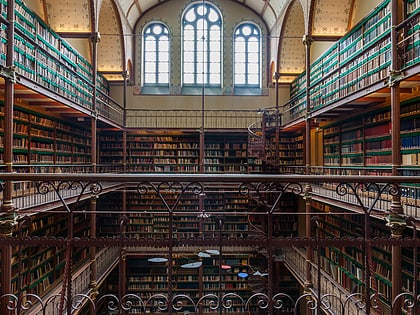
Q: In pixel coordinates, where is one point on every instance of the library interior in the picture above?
(209, 157)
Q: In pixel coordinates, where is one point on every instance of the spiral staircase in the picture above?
(261, 143)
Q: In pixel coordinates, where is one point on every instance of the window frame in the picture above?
(206, 52)
(156, 86)
(246, 85)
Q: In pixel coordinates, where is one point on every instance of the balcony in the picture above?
(342, 260)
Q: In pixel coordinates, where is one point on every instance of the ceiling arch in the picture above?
(111, 54)
(328, 19)
(291, 57)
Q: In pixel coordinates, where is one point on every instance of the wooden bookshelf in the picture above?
(111, 147)
(178, 152)
(41, 139)
(43, 57)
(226, 153)
(346, 264)
(43, 267)
(365, 140)
(290, 149)
(361, 58)
(151, 152)
(146, 278)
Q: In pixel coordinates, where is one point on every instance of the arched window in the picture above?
(247, 56)
(156, 55)
(202, 28)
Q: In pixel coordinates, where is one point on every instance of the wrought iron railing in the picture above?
(304, 254)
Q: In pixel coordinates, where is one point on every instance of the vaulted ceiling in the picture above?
(115, 20)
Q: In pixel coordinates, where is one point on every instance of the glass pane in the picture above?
(149, 78)
(188, 33)
(246, 30)
(163, 44)
(163, 67)
(253, 47)
(240, 68)
(189, 56)
(163, 56)
(189, 67)
(200, 46)
(150, 56)
(214, 33)
(149, 38)
(200, 56)
(189, 46)
(253, 79)
(213, 15)
(201, 25)
(188, 78)
(214, 68)
(150, 45)
(150, 67)
(215, 46)
(215, 57)
(157, 29)
(253, 68)
(253, 58)
(214, 78)
(239, 79)
(201, 10)
(199, 78)
(190, 15)
(163, 78)
(239, 45)
(240, 57)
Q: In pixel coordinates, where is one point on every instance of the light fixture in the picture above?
(157, 259)
(203, 254)
(243, 274)
(213, 251)
(258, 273)
(192, 265)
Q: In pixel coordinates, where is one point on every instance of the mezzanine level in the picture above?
(339, 242)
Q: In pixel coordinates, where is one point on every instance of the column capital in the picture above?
(396, 224)
(95, 37)
(307, 40)
(7, 224)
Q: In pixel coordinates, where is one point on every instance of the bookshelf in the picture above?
(112, 147)
(291, 149)
(365, 140)
(42, 267)
(149, 215)
(41, 139)
(358, 60)
(147, 278)
(412, 6)
(165, 152)
(351, 148)
(226, 153)
(286, 284)
(284, 218)
(178, 151)
(410, 45)
(44, 58)
(345, 264)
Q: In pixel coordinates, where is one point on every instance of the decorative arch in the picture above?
(111, 56)
(291, 56)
